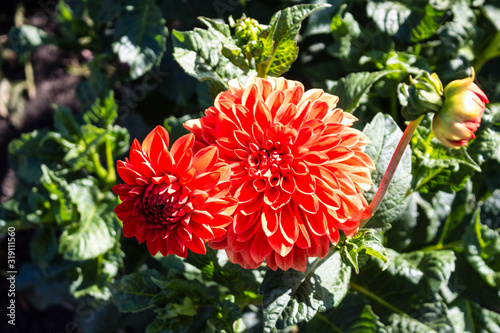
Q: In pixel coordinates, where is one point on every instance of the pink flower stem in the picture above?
(391, 168)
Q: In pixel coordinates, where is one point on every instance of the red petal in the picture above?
(246, 192)
(315, 158)
(260, 248)
(129, 176)
(275, 100)
(305, 183)
(205, 181)
(150, 138)
(253, 205)
(181, 145)
(262, 115)
(317, 223)
(269, 220)
(250, 96)
(308, 202)
(184, 163)
(286, 113)
(243, 222)
(271, 195)
(202, 230)
(185, 232)
(287, 183)
(288, 225)
(197, 245)
(205, 159)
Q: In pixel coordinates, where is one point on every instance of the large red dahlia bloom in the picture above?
(298, 170)
(171, 199)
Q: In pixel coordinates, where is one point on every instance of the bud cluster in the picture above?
(247, 32)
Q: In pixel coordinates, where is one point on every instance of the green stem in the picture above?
(111, 177)
(329, 323)
(391, 168)
(428, 178)
(100, 171)
(440, 246)
(377, 299)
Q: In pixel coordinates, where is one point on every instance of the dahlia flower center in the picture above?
(273, 162)
(164, 204)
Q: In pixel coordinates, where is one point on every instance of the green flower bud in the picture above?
(424, 94)
(459, 118)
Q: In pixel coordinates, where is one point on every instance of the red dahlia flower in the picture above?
(298, 170)
(171, 199)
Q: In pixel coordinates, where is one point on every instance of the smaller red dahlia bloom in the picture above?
(173, 200)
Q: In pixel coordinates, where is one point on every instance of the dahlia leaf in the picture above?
(482, 250)
(291, 297)
(384, 135)
(490, 211)
(419, 224)
(352, 88)
(140, 37)
(102, 113)
(199, 54)
(60, 201)
(409, 21)
(45, 286)
(405, 294)
(229, 47)
(66, 124)
(28, 153)
(347, 34)
(475, 318)
(134, 292)
(215, 266)
(95, 275)
(97, 230)
(353, 315)
(43, 246)
(356, 249)
(280, 49)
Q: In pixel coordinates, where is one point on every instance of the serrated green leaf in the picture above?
(364, 243)
(352, 88)
(28, 153)
(279, 47)
(140, 37)
(291, 297)
(97, 229)
(60, 201)
(216, 267)
(408, 21)
(94, 276)
(134, 292)
(482, 250)
(476, 318)
(384, 135)
(199, 54)
(102, 113)
(405, 294)
(490, 211)
(66, 124)
(224, 316)
(353, 315)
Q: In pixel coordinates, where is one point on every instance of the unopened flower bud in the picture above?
(422, 95)
(464, 102)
